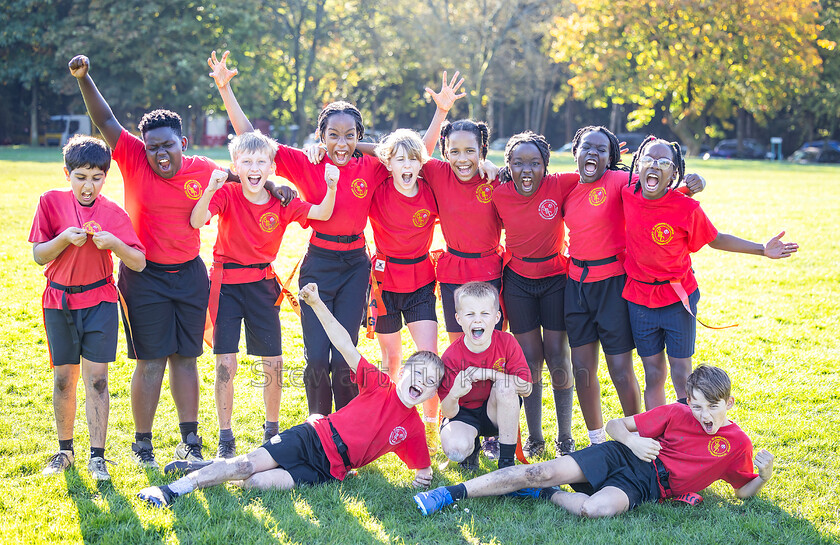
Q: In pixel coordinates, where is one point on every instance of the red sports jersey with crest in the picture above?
(694, 459)
(373, 424)
(660, 236)
(250, 233)
(160, 208)
(504, 355)
(357, 181)
(469, 224)
(534, 225)
(59, 209)
(403, 227)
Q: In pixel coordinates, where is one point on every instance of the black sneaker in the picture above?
(157, 496)
(144, 454)
(566, 446)
(533, 447)
(470, 463)
(185, 466)
(190, 449)
(227, 449)
(267, 436)
(490, 448)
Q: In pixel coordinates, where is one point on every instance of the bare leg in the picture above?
(239, 468)
(656, 371)
(458, 440)
(145, 392)
(390, 344)
(273, 390)
(424, 333)
(532, 346)
(563, 470)
(606, 502)
(226, 367)
(272, 479)
(503, 410)
(97, 401)
(183, 383)
(585, 362)
(65, 379)
(624, 379)
(680, 369)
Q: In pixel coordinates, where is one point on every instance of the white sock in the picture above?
(597, 436)
(182, 486)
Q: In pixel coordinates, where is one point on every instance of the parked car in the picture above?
(728, 149)
(816, 154)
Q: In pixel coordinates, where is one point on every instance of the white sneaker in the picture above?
(59, 461)
(98, 469)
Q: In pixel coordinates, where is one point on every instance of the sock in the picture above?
(187, 428)
(458, 491)
(271, 428)
(533, 412)
(597, 436)
(506, 452)
(67, 444)
(547, 493)
(563, 408)
(225, 434)
(182, 486)
(145, 436)
(96, 452)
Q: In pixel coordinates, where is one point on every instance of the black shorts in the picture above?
(167, 308)
(414, 306)
(533, 302)
(252, 302)
(447, 297)
(596, 311)
(613, 464)
(299, 451)
(671, 327)
(477, 418)
(97, 330)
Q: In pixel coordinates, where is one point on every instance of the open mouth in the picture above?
(407, 178)
(464, 170)
(414, 392)
(652, 182)
(476, 333)
(527, 183)
(254, 180)
(164, 165)
(86, 195)
(708, 427)
(341, 156)
(590, 167)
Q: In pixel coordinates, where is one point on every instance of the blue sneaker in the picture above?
(525, 493)
(433, 500)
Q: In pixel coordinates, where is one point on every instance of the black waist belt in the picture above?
(536, 259)
(343, 239)
(470, 255)
(406, 261)
(585, 266)
(169, 267)
(340, 446)
(73, 290)
(251, 266)
(663, 477)
(655, 282)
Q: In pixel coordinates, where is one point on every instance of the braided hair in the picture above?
(478, 128)
(341, 107)
(527, 137)
(160, 118)
(676, 157)
(615, 146)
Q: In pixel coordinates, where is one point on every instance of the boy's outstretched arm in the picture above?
(222, 75)
(97, 108)
(621, 430)
(774, 248)
(764, 464)
(335, 331)
(444, 100)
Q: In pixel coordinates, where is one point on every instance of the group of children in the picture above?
(624, 281)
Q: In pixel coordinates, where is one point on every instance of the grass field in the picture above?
(783, 359)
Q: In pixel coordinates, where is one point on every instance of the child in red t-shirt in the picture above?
(529, 201)
(671, 451)
(486, 373)
(243, 285)
(663, 228)
(324, 449)
(74, 234)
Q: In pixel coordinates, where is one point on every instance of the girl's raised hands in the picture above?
(448, 92)
(220, 71)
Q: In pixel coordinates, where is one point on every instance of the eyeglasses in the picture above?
(646, 161)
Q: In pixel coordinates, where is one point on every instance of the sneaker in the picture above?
(432, 437)
(190, 449)
(98, 468)
(533, 447)
(433, 500)
(470, 463)
(58, 462)
(525, 493)
(490, 448)
(157, 496)
(267, 436)
(144, 454)
(564, 447)
(185, 466)
(227, 449)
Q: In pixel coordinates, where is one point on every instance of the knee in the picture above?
(456, 448)
(225, 371)
(64, 384)
(593, 509)
(538, 475)
(242, 468)
(100, 385)
(505, 390)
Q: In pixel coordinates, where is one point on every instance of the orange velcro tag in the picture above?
(680, 291)
(124, 306)
(216, 272)
(691, 498)
(286, 294)
(520, 454)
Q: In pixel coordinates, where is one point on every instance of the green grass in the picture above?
(783, 359)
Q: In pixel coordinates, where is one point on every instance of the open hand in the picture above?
(315, 152)
(220, 71)
(79, 66)
(448, 92)
(776, 249)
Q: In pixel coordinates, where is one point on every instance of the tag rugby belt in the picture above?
(74, 290)
(678, 288)
(536, 259)
(402, 260)
(341, 239)
(340, 446)
(585, 266)
(471, 255)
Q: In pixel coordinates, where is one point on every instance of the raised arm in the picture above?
(335, 331)
(222, 75)
(324, 211)
(99, 111)
(764, 464)
(444, 99)
(200, 213)
(774, 248)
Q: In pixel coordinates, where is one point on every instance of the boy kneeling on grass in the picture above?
(381, 419)
(679, 450)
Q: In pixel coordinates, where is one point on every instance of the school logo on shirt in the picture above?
(499, 365)
(269, 222)
(719, 446)
(398, 435)
(548, 209)
(359, 188)
(484, 193)
(91, 227)
(662, 233)
(597, 196)
(421, 217)
(193, 189)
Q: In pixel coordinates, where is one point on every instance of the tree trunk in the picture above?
(33, 116)
(570, 118)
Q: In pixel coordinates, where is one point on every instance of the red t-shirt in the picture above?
(661, 235)
(403, 227)
(693, 458)
(534, 225)
(357, 181)
(250, 233)
(373, 424)
(59, 209)
(159, 208)
(469, 224)
(595, 218)
(504, 355)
